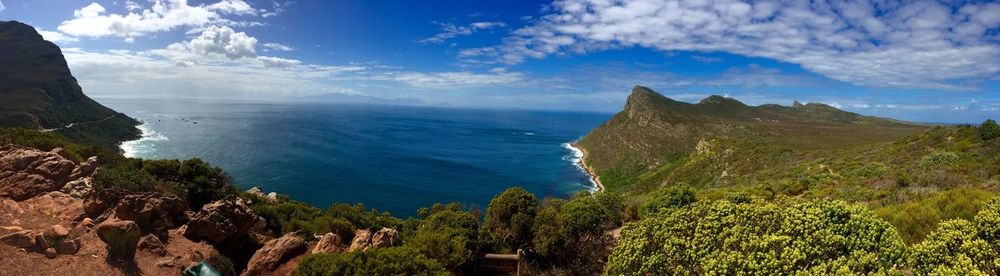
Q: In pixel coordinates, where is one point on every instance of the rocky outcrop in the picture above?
(274, 253)
(152, 244)
(221, 220)
(20, 239)
(153, 212)
(364, 239)
(58, 204)
(328, 243)
(26, 172)
(271, 197)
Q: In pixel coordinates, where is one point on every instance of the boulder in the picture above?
(153, 212)
(152, 244)
(121, 236)
(51, 253)
(223, 219)
(80, 188)
(56, 232)
(256, 191)
(328, 243)
(67, 246)
(26, 172)
(274, 253)
(386, 237)
(21, 239)
(362, 239)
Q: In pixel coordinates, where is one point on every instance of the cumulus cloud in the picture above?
(921, 44)
(216, 40)
(94, 20)
(2, 7)
(449, 30)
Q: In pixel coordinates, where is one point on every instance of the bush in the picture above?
(989, 130)
(222, 264)
(758, 238)
(388, 261)
(954, 247)
(667, 199)
(939, 160)
(509, 218)
(447, 245)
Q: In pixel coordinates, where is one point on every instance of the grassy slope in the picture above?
(37, 90)
(911, 174)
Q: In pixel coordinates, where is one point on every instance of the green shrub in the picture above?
(989, 130)
(667, 199)
(954, 246)
(874, 170)
(509, 218)
(121, 245)
(388, 261)
(447, 245)
(758, 238)
(939, 160)
(222, 264)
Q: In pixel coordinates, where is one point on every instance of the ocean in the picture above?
(391, 158)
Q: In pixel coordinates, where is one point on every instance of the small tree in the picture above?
(989, 130)
(510, 216)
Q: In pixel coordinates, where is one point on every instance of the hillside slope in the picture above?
(656, 140)
(38, 91)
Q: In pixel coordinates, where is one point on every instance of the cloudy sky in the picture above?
(922, 61)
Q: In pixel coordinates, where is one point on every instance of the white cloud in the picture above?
(132, 6)
(277, 47)
(164, 15)
(921, 44)
(56, 37)
(216, 40)
(449, 30)
(454, 80)
(2, 7)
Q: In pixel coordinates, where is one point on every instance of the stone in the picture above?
(51, 253)
(362, 240)
(272, 197)
(328, 243)
(80, 188)
(58, 204)
(168, 261)
(56, 232)
(274, 253)
(26, 172)
(223, 219)
(386, 237)
(21, 239)
(67, 246)
(85, 169)
(152, 244)
(121, 236)
(256, 191)
(152, 212)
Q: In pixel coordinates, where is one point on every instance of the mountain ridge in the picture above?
(38, 91)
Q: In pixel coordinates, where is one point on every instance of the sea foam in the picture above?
(142, 147)
(575, 157)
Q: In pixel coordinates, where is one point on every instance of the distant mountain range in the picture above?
(38, 91)
(652, 140)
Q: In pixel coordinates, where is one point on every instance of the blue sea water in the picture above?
(391, 158)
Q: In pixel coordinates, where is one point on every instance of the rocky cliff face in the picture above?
(37, 90)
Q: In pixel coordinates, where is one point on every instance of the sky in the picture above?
(921, 61)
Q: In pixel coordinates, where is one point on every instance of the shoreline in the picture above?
(594, 178)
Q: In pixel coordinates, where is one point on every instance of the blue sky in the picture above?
(922, 61)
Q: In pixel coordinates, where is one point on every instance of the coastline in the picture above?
(594, 178)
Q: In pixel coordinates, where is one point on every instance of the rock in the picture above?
(26, 172)
(12, 206)
(51, 253)
(274, 253)
(168, 261)
(256, 191)
(328, 243)
(87, 222)
(56, 232)
(362, 239)
(67, 246)
(386, 237)
(79, 188)
(21, 239)
(85, 169)
(121, 236)
(223, 219)
(272, 197)
(152, 244)
(58, 204)
(152, 212)
(95, 207)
